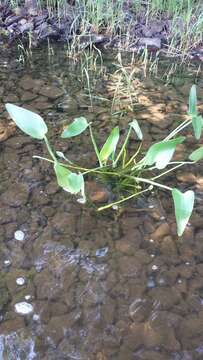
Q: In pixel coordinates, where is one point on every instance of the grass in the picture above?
(109, 17)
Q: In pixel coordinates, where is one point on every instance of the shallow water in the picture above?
(116, 285)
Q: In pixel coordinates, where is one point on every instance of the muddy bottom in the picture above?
(75, 283)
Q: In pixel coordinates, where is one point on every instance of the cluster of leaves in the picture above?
(117, 164)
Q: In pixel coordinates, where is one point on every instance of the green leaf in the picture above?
(197, 155)
(162, 152)
(75, 183)
(184, 203)
(69, 181)
(193, 101)
(197, 123)
(134, 124)
(30, 123)
(61, 174)
(75, 128)
(109, 147)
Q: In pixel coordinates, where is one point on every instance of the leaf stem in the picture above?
(178, 129)
(179, 164)
(151, 182)
(50, 149)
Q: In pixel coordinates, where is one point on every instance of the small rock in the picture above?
(16, 195)
(150, 42)
(20, 281)
(23, 308)
(102, 252)
(161, 231)
(19, 235)
(7, 263)
(52, 92)
(96, 192)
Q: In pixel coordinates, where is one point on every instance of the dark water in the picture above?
(117, 285)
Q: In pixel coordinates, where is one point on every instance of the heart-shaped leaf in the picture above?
(193, 101)
(75, 183)
(136, 127)
(184, 203)
(197, 154)
(162, 152)
(79, 125)
(68, 180)
(109, 147)
(61, 174)
(30, 123)
(197, 123)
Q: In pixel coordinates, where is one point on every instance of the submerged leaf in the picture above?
(30, 123)
(197, 155)
(184, 203)
(79, 125)
(136, 127)
(109, 147)
(69, 181)
(193, 101)
(162, 152)
(197, 123)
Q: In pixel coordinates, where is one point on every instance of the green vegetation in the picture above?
(183, 19)
(133, 174)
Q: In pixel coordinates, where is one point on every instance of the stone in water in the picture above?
(20, 281)
(19, 235)
(7, 262)
(23, 308)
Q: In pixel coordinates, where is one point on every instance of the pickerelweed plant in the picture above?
(114, 164)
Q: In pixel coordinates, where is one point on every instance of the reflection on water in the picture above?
(100, 286)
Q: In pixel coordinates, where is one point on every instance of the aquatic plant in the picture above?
(134, 174)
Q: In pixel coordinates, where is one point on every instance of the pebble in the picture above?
(20, 281)
(27, 297)
(161, 281)
(36, 317)
(7, 262)
(23, 308)
(102, 252)
(154, 267)
(19, 235)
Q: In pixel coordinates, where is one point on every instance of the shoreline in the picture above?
(32, 26)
